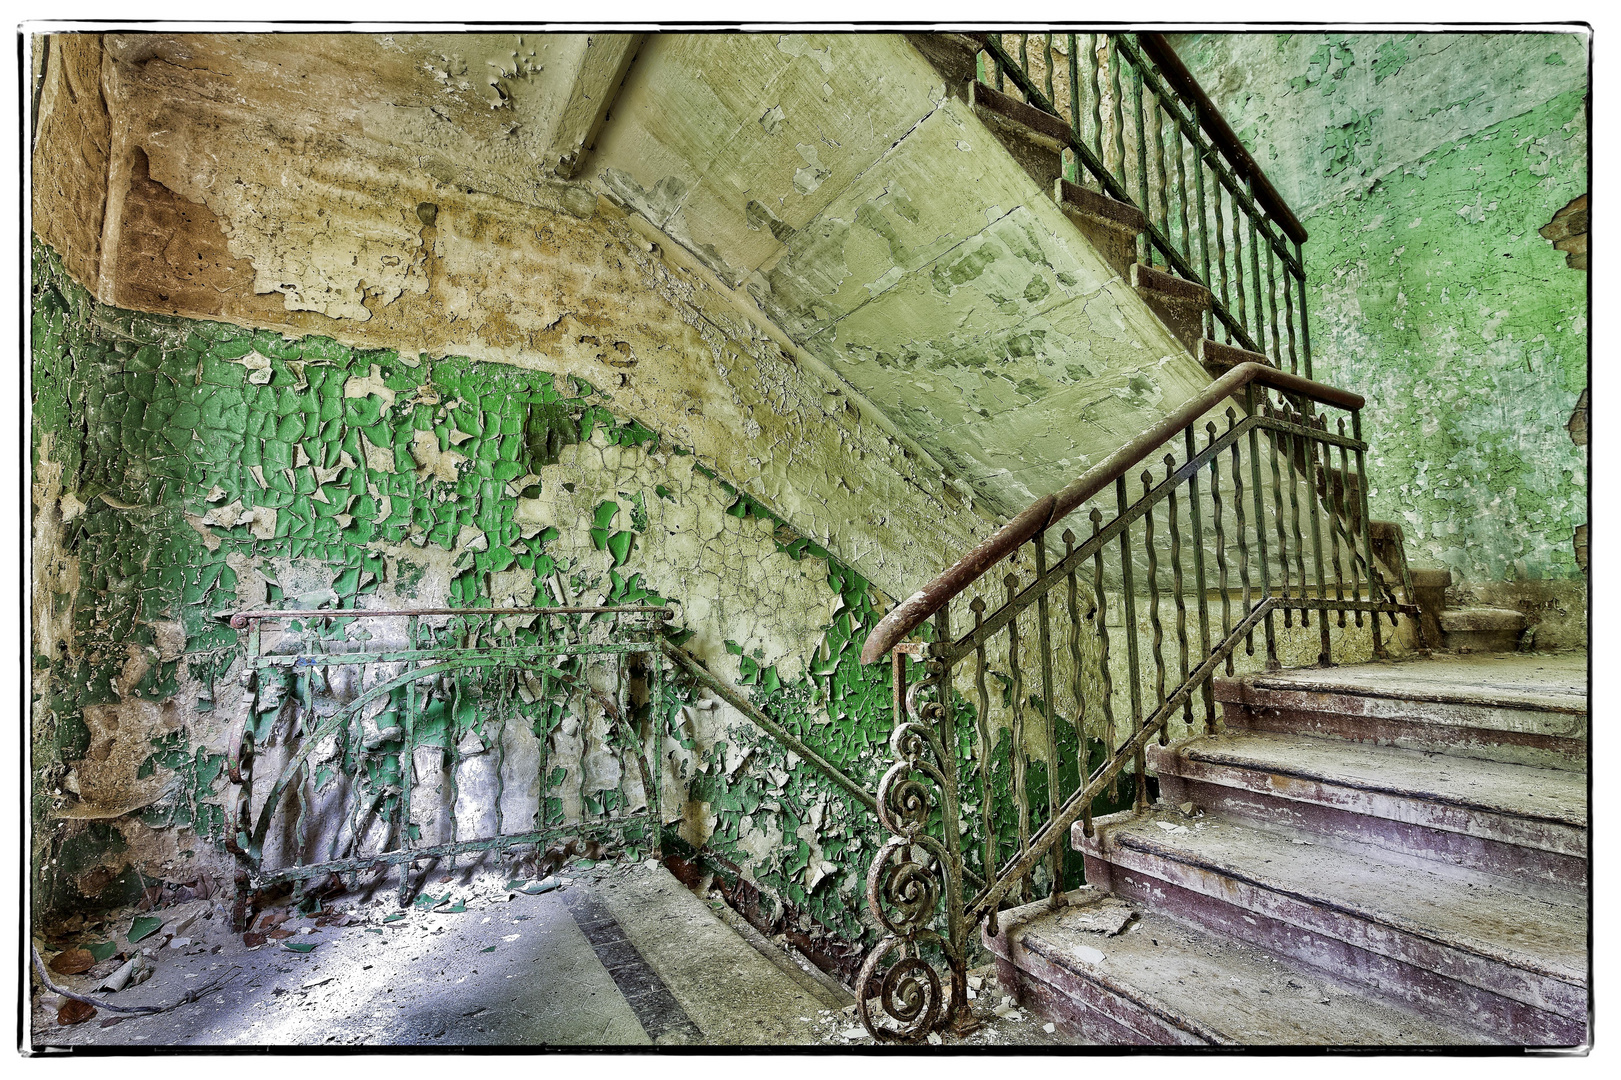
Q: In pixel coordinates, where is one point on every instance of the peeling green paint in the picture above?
(1422, 166)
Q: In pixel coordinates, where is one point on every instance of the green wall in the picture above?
(152, 425)
(1422, 166)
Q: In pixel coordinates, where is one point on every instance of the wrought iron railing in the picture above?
(1143, 132)
(373, 722)
(1242, 515)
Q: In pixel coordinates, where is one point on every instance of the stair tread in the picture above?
(1222, 988)
(1554, 682)
(1541, 929)
(1526, 791)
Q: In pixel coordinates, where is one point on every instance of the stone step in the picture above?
(1481, 630)
(1502, 955)
(1036, 139)
(1180, 304)
(1219, 359)
(1515, 820)
(1111, 971)
(1112, 226)
(1529, 708)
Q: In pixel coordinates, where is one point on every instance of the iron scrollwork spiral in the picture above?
(900, 994)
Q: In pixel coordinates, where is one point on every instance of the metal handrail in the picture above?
(1040, 515)
(1180, 79)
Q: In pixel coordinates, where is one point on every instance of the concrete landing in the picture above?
(619, 956)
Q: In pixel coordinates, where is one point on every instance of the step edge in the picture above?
(1339, 906)
(1174, 754)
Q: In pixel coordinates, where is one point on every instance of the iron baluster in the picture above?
(1047, 55)
(1117, 102)
(1367, 529)
(1044, 635)
(1079, 721)
(1021, 795)
(1106, 676)
(1094, 67)
(1238, 273)
(1250, 409)
(1176, 586)
(1305, 333)
(1310, 445)
(1221, 541)
(1255, 279)
(1347, 523)
(983, 727)
(1221, 263)
(1163, 174)
(1195, 514)
(1130, 598)
(1289, 318)
(1272, 307)
(1294, 452)
(1273, 438)
(1153, 591)
(1073, 41)
(1241, 532)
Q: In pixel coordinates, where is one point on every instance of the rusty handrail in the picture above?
(1040, 515)
(1180, 79)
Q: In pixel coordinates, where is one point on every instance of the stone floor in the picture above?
(616, 956)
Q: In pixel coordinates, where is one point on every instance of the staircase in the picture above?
(1370, 855)
(1342, 852)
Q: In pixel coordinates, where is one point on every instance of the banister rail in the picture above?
(1044, 512)
(1078, 656)
(1180, 79)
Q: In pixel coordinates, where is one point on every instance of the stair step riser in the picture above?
(1548, 741)
(1440, 997)
(1080, 1005)
(1348, 826)
(1471, 976)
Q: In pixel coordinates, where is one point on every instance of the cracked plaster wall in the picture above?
(1423, 166)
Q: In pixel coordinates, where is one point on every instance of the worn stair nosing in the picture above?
(1450, 957)
(1028, 121)
(1072, 198)
(1244, 687)
(1168, 287)
(1446, 999)
(1171, 758)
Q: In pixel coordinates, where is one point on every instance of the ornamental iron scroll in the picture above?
(900, 993)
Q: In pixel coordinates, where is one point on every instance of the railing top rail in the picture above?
(240, 620)
(1180, 79)
(912, 612)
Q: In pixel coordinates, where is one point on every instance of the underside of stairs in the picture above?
(1036, 140)
(1374, 855)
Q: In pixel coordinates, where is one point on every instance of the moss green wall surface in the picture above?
(1422, 165)
(186, 468)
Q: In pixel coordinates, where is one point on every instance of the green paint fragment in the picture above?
(143, 927)
(299, 946)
